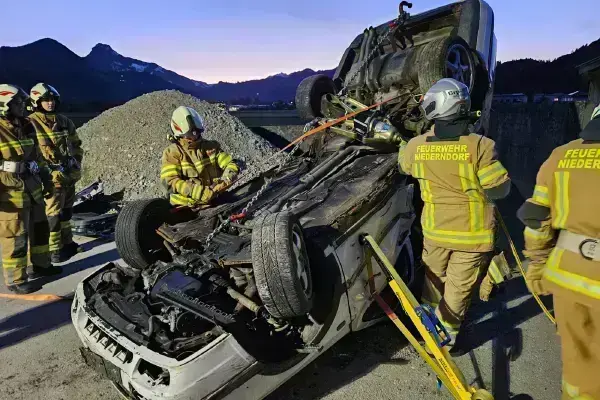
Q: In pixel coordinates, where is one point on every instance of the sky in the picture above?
(238, 40)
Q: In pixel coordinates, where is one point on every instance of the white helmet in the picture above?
(43, 91)
(10, 93)
(596, 112)
(447, 100)
(186, 120)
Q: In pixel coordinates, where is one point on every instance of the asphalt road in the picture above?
(39, 356)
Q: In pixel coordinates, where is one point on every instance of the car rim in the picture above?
(302, 267)
(459, 65)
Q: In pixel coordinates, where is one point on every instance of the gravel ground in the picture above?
(123, 145)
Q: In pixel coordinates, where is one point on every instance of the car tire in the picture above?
(281, 265)
(135, 232)
(309, 95)
(434, 57)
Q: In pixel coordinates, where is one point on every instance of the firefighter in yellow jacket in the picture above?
(458, 173)
(24, 180)
(194, 170)
(61, 148)
(562, 242)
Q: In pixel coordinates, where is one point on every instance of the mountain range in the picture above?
(105, 78)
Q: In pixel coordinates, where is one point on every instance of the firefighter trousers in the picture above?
(450, 279)
(19, 230)
(579, 331)
(59, 209)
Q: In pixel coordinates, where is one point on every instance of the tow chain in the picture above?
(244, 212)
(307, 131)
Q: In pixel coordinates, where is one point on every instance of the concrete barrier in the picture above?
(526, 134)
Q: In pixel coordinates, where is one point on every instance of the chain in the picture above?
(366, 61)
(307, 127)
(258, 194)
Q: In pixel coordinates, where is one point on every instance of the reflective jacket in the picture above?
(18, 144)
(455, 176)
(58, 141)
(565, 198)
(187, 173)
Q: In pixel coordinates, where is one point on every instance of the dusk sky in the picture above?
(236, 40)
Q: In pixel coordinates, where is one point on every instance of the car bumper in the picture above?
(210, 373)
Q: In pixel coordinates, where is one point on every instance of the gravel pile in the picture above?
(123, 145)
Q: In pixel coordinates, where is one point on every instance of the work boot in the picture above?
(24, 288)
(71, 249)
(38, 272)
(68, 250)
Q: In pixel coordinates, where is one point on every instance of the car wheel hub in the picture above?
(302, 267)
(458, 65)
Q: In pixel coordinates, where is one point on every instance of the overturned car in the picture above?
(234, 300)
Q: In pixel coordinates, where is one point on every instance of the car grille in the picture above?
(117, 351)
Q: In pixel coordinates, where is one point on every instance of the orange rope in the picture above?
(35, 297)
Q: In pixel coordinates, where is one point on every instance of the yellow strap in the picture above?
(520, 265)
(445, 369)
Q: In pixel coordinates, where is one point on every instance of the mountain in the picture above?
(105, 78)
(47, 60)
(535, 76)
(104, 58)
(273, 88)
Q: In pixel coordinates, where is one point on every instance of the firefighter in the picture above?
(24, 181)
(562, 232)
(194, 170)
(459, 174)
(61, 148)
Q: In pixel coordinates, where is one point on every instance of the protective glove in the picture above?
(220, 187)
(228, 176)
(533, 278)
(202, 195)
(59, 178)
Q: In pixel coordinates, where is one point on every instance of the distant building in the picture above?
(510, 98)
(590, 71)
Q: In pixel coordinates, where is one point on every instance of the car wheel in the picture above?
(135, 232)
(281, 265)
(309, 95)
(448, 57)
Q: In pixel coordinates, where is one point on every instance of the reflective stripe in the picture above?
(426, 195)
(490, 173)
(494, 273)
(179, 200)
(540, 195)
(232, 167)
(196, 192)
(169, 170)
(14, 262)
(574, 392)
(65, 224)
(14, 144)
(39, 249)
(469, 186)
(52, 135)
(37, 194)
(200, 165)
(457, 237)
(569, 280)
(223, 159)
(561, 202)
(535, 234)
(18, 199)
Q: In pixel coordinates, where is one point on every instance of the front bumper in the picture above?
(210, 373)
